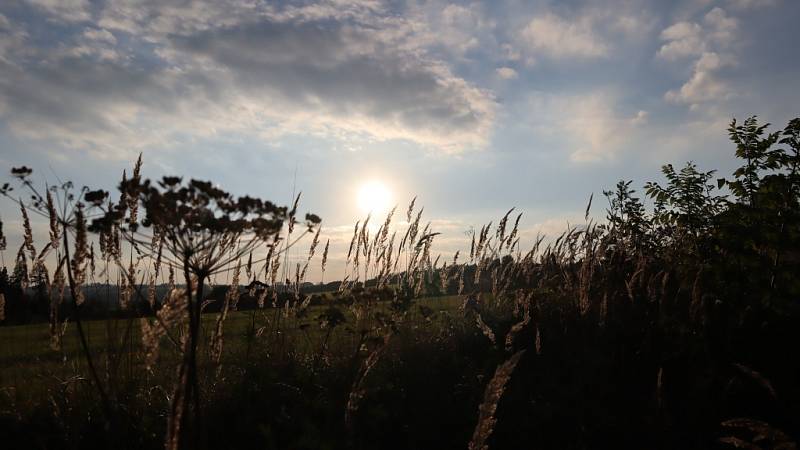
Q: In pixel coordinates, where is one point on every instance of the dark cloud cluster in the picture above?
(165, 68)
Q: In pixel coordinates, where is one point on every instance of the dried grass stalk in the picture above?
(53, 216)
(518, 327)
(231, 300)
(358, 390)
(485, 329)
(27, 231)
(761, 432)
(325, 259)
(150, 342)
(491, 398)
(761, 380)
(81, 255)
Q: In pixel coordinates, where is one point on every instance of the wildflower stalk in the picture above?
(73, 289)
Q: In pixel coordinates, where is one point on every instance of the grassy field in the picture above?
(26, 355)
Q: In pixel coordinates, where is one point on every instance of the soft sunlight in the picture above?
(374, 197)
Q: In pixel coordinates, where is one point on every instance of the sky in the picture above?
(473, 107)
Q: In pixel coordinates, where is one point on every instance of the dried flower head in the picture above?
(52, 215)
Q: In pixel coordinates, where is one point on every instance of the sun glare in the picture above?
(374, 197)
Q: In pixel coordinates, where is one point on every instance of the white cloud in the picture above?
(507, 73)
(723, 27)
(64, 10)
(557, 38)
(683, 39)
(711, 46)
(97, 43)
(458, 27)
(703, 85)
(99, 35)
(590, 123)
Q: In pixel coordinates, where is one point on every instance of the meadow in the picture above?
(667, 326)
(26, 355)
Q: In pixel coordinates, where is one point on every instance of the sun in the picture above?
(374, 197)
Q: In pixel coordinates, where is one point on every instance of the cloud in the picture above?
(589, 123)
(12, 37)
(64, 10)
(634, 25)
(711, 45)
(506, 73)
(703, 86)
(338, 69)
(723, 27)
(99, 35)
(557, 38)
(683, 39)
(751, 4)
(456, 28)
(97, 43)
(346, 76)
(589, 32)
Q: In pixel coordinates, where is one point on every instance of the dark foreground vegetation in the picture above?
(674, 326)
